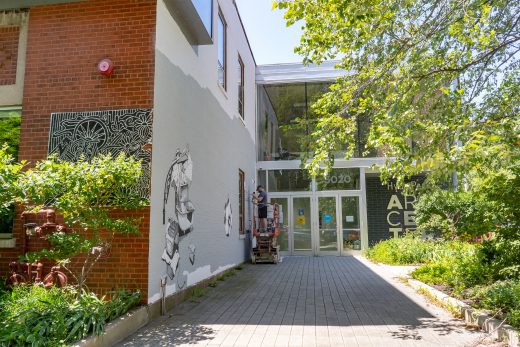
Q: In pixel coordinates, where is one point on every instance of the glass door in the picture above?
(300, 235)
(351, 226)
(327, 226)
(283, 219)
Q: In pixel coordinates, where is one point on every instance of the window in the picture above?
(339, 179)
(288, 180)
(10, 119)
(241, 201)
(241, 87)
(221, 61)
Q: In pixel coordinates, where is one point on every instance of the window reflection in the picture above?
(282, 107)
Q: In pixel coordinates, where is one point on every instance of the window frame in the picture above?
(241, 202)
(241, 96)
(222, 19)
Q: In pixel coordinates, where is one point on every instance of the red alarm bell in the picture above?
(105, 67)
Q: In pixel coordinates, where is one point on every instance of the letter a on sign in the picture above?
(394, 202)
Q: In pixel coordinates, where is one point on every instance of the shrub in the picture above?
(84, 193)
(457, 264)
(501, 295)
(503, 257)
(33, 315)
(410, 249)
(454, 213)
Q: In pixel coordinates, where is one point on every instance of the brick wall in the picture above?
(9, 36)
(65, 43)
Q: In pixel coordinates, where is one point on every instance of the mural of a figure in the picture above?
(228, 217)
(180, 222)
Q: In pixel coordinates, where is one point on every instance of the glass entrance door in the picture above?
(283, 219)
(327, 224)
(351, 225)
(327, 233)
(338, 227)
(301, 225)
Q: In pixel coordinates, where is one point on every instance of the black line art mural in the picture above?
(228, 217)
(191, 249)
(73, 134)
(180, 221)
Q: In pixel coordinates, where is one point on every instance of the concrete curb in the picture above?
(504, 333)
(118, 329)
(124, 326)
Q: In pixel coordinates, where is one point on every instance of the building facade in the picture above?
(179, 77)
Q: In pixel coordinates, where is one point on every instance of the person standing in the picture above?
(261, 199)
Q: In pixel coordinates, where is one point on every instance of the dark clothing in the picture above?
(262, 211)
(262, 205)
(262, 195)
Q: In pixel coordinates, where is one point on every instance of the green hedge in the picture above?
(35, 316)
(503, 296)
(407, 250)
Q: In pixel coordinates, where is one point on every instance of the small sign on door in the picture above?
(349, 219)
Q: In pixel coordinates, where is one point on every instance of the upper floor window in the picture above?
(241, 87)
(221, 61)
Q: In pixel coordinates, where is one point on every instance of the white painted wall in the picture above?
(191, 109)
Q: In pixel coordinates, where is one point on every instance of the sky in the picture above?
(271, 40)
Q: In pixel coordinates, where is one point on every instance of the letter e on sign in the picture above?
(409, 218)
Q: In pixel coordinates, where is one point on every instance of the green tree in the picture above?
(439, 80)
(85, 193)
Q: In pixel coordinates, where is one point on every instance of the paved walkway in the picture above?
(308, 301)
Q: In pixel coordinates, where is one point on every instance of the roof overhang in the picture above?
(298, 72)
(15, 4)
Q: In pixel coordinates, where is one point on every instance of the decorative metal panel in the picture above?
(73, 134)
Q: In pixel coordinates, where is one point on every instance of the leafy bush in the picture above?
(10, 172)
(457, 264)
(10, 132)
(410, 249)
(454, 213)
(501, 295)
(503, 256)
(33, 315)
(84, 193)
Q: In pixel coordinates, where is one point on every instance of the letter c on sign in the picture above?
(388, 219)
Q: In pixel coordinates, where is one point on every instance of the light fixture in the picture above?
(30, 228)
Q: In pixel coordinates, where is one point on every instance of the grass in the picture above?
(197, 293)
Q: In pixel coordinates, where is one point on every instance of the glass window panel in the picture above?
(339, 179)
(350, 221)
(261, 179)
(302, 224)
(10, 121)
(241, 201)
(283, 238)
(221, 61)
(288, 180)
(241, 87)
(9, 134)
(328, 224)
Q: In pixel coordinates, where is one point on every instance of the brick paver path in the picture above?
(308, 301)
